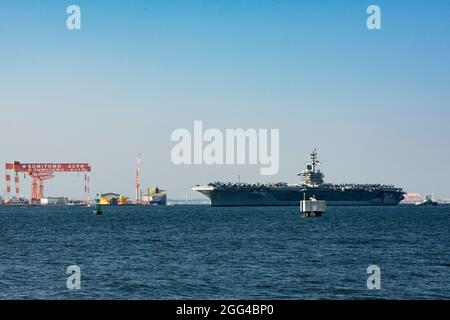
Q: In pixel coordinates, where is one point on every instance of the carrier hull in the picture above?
(291, 196)
(284, 194)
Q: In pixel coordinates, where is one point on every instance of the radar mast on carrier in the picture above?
(312, 177)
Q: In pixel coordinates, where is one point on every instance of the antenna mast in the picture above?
(138, 169)
(314, 161)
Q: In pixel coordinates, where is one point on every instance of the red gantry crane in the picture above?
(40, 172)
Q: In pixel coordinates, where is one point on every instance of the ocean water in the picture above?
(200, 252)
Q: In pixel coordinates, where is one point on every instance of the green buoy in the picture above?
(97, 207)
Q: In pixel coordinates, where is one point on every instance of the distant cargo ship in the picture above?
(283, 194)
(155, 196)
(427, 201)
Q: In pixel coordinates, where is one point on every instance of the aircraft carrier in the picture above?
(312, 185)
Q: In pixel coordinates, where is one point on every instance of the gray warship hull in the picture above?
(284, 194)
(292, 195)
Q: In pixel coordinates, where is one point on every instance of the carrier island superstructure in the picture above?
(312, 185)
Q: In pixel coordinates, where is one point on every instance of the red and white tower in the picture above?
(138, 169)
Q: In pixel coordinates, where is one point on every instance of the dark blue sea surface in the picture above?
(201, 252)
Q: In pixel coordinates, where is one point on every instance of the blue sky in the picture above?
(375, 103)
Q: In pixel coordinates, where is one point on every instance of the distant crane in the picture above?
(40, 172)
(37, 183)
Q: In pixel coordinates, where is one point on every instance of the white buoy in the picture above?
(312, 206)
